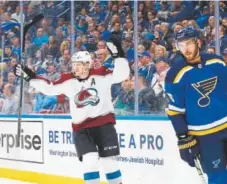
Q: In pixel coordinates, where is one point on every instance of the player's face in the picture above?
(189, 49)
(80, 69)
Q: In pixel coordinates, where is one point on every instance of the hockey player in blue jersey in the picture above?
(196, 87)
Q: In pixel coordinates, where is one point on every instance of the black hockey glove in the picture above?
(27, 73)
(115, 48)
(189, 148)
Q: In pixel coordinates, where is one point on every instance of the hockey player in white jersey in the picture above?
(88, 87)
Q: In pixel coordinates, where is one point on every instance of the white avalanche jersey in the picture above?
(90, 99)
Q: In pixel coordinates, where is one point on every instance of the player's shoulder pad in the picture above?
(64, 77)
(206, 56)
(174, 70)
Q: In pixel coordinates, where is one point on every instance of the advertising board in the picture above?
(31, 141)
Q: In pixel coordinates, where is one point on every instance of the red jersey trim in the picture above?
(95, 122)
(101, 71)
(64, 77)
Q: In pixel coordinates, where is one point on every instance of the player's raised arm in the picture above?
(41, 84)
(121, 68)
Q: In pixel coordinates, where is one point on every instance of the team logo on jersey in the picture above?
(86, 97)
(204, 88)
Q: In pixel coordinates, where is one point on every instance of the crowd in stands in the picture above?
(48, 47)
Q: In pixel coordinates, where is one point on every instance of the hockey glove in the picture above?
(27, 73)
(189, 149)
(115, 48)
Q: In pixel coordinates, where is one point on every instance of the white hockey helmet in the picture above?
(81, 56)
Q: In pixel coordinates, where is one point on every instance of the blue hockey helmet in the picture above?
(186, 33)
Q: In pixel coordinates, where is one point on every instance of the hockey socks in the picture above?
(92, 178)
(114, 177)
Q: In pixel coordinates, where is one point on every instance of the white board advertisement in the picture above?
(31, 141)
(149, 153)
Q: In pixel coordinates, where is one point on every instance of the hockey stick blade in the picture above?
(26, 28)
(199, 170)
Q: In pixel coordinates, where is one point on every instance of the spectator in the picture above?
(30, 13)
(160, 51)
(203, 19)
(51, 73)
(6, 16)
(11, 64)
(128, 28)
(82, 25)
(41, 38)
(64, 46)
(166, 35)
(146, 96)
(16, 15)
(16, 47)
(184, 23)
(146, 66)
(2, 83)
(152, 21)
(222, 38)
(52, 48)
(59, 35)
(211, 21)
(39, 62)
(30, 64)
(177, 26)
(101, 45)
(97, 14)
(65, 62)
(8, 53)
(104, 58)
(141, 48)
(1, 12)
(10, 103)
(117, 31)
(157, 83)
(96, 35)
(105, 34)
(164, 11)
(124, 102)
(224, 22)
(78, 45)
(12, 78)
(45, 25)
(210, 50)
(224, 53)
(91, 27)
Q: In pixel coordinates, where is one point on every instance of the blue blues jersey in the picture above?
(198, 96)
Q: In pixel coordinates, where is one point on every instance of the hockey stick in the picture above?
(26, 28)
(199, 170)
